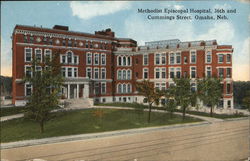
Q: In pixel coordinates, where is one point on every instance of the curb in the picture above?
(97, 135)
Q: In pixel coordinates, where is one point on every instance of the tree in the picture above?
(210, 92)
(46, 81)
(182, 93)
(146, 89)
(246, 100)
(170, 104)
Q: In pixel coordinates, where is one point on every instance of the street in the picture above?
(225, 140)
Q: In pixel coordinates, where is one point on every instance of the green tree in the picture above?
(46, 81)
(170, 104)
(210, 92)
(246, 100)
(183, 95)
(146, 89)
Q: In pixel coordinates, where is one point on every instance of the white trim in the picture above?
(105, 72)
(143, 70)
(25, 69)
(206, 54)
(41, 53)
(190, 69)
(91, 59)
(147, 59)
(94, 76)
(25, 89)
(105, 58)
(207, 70)
(96, 55)
(30, 53)
(190, 56)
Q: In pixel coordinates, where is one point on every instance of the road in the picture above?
(225, 140)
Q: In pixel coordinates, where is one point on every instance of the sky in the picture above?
(123, 18)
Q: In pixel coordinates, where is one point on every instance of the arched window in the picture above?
(69, 57)
(119, 88)
(124, 88)
(124, 61)
(119, 61)
(119, 76)
(129, 74)
(124, 73)
(129, 88)
(129, 59)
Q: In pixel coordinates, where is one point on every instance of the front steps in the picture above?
(78, 103)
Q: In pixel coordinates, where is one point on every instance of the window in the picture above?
(50, 41)
(90, 45)
(178, 58)
(157, 59)
(38, 70)
(69, 57)
(89, 72)
(87, 44)
(64, 42)
(163, 58)
(119, 74)
(228, 58)
(193, 72)
(129, 88)
(96, 59)
(69, 43)
(145, 59)
(221, 72)
(124, 88)
(136, 61)
(228, 72)
(129, 74)
(119, 88)
(209, 57)
(38, 54)
(103, 86)
(228, 88)
(89, 58)
(28, 89)
(25, 38)
(208, 71)
(193, 57)
(124, 73)
(76, 60)
(75, 72)
(75, 43)
(185, 60)
(31, 39)
(124, 61)
(220, 58)
(157, 73)
(63, 59)
(129, 61)
(178, 72)
(163, 72)
(163, 86)
(69, 72)
(103, 73)
(157, 86)
(119, 60)
(171, 73)
(96, 73)
(193, 87)
(28, 71)
(172, 58)
(97, 88)
(28, 54)
(45, 40)
(48, 54)
(63, 71)
(103, 59)
(145, 73)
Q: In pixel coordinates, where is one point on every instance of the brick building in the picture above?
(105, 68)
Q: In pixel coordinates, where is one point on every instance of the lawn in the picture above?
(86, 121)
(136, 105)
(11, 111)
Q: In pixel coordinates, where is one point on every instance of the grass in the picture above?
(136, 105)
(11, 111)
(86, 121)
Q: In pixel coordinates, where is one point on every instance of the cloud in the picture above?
(244, 1)
(87, 10)
(178, 7)
(224, 6)
(6, 55)
(223, 32)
